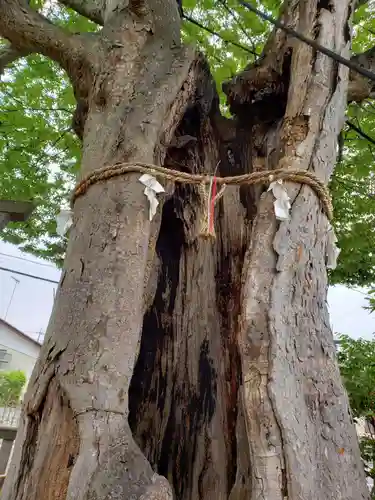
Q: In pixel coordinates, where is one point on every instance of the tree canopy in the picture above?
(164, 350)
(357, 365)
(40, 154)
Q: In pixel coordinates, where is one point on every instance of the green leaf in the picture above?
(39, 154)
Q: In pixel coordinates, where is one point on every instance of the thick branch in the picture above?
(92, 9)
(9, 55)
(29, 31)
(361, 88)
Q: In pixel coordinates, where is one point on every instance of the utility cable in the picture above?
(28, 275)
(27, 260)
(315, 45)
(215, 33)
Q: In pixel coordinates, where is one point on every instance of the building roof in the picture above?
(18, 332)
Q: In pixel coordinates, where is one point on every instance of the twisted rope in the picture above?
(207, 229)
(204, 181)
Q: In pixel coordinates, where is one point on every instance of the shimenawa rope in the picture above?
(206, 181)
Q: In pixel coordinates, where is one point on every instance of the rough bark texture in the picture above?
(292, 390)
(175, 366)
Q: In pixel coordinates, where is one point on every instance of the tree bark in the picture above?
(176, 367)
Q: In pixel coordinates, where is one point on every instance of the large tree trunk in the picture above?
(208, 363)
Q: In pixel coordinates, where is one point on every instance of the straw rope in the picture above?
(204, 181)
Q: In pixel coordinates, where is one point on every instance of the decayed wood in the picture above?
(52, 448)
(296, 405)
(184, 392)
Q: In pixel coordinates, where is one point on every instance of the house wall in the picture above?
(22, 352)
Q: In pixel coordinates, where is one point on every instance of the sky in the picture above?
(27, 302)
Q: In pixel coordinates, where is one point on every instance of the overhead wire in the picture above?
(312, 43)
(238, 22)
(7, 269)
(346, 62)
(215, 33)
(360, 132)
(278, 24)
(27, 260)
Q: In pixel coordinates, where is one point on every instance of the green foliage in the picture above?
(357, 365)
(371, 300)
(367, 446)
(39, 154)
(11, 385)
(354, 201)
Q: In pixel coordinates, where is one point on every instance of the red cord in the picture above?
(213, 196)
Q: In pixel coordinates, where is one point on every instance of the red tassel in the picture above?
(212, 208)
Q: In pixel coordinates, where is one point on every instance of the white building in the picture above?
(366, 429)
(17, 350)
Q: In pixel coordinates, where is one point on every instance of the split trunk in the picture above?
(176, 366)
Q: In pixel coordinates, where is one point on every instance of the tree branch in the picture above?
(29, 31)
(359, 3)
(360, 132)
(10, 54)
(360, 88)
(91, 9)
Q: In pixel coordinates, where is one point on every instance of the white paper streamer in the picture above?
(332, 250)
(282, 200)
(64, 221)
(153, 187)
